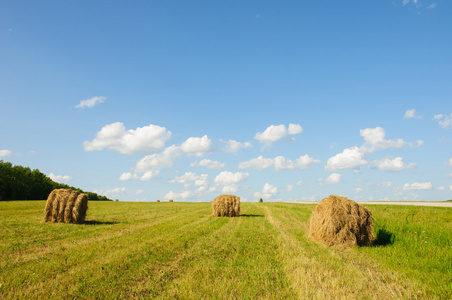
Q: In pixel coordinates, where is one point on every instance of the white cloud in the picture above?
(177, 196)
(359, 190)
(433, 5)
(450, 187)
(91, 102)
(233, 146)
(267, 191)
(230, 180)
(395, 164)
(209, 164)
(139, 192)
(149, 175)
(5, 153)
(374, 139)
(349, 158)
(417, 186)
(189, 177)
(158, 161)
(274, 133)
(295, 129)
(411, 114)
(334, 178)
(279, 163)
(289, 187)
(448, 163)
(115, 192)
(300, 163)
(444, 121)
(126, 176)
(197, 145)
(60, 178)
(260, 163)
(441, 188)
(146, 140)
(299, 182)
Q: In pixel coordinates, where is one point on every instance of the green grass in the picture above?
(177, 251)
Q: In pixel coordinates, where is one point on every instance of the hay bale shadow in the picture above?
(384, 237)
(252, 216)
(93, 222)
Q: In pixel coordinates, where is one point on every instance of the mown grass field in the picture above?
(177, 251)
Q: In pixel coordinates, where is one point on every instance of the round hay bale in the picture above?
(117, 200)
(171, 200)
(158, 200)
(66, 205)
(226, 206)
(340, 222)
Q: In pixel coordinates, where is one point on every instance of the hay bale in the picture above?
(66, 205)
(226, 206)
(117, 200)
(340, 222)
(158, 200)
(171, 200)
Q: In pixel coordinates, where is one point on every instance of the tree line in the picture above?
(22, 183)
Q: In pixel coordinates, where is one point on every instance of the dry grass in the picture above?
(226, 206)
(66, 205)
(340, 222)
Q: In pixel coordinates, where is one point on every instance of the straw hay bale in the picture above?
(171, 200)
(340, 222)
(226, 206)
(158, 200)
(66, 205)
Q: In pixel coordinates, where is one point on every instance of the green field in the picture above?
(177, 251)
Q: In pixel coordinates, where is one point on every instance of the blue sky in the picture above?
(187, 100)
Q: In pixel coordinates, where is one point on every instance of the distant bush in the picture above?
(21, 183)
(260, 200)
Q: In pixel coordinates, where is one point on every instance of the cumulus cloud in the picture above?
(126, 176)
(349, 158)
(274, 133)
(139, 192)
(450, 187)
(267, 191)
(148, 175)
(395, 164)
(114, 192)
(232, 146)
(295, 129)
(260, 163)
(411, 114)
(333, 178)
(230, 180)
(197, 145)
(448, 163)
(91, 102)
(444, 121)
(178, 196)
(145, 140)
(189, 177)
(417, 186)
(279, 163)
(5, 152)
(289, 187)
(60, 178)
(159, 160)
(209, 164)
(374, 139)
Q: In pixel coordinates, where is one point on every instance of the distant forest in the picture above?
(21, 183)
